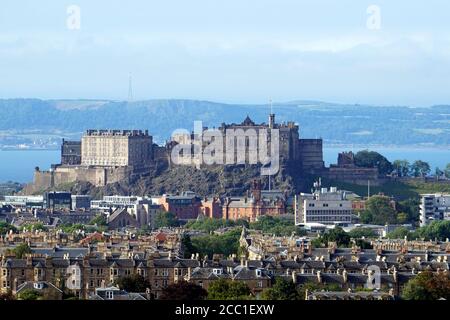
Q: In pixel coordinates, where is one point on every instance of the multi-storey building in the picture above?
(259, 203)
(323, 206)
(71, 152)
(434, 207)
(116, 148)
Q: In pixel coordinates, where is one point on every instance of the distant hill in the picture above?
(28, 121)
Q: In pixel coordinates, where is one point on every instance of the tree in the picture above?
(165, 219)
(402, 217)
(401, 167)
(420, 168)
(226, 244)
(39, 226)
(399, 233)
(447, 171)
(133, 283)
(6, 227)
(29, 294)
(223, 289)
(21, 250)
(379, 211)
(99, 220)
(337, 235)
(435, 230)
(186, 246)
(428, 286)
(277, 226)
(372, 159)
(183, 291)
(411, 208)
(281, 290)
(358, 233)
(438, 172)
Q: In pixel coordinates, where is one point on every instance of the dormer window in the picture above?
(217, 271)
(109, 295)
(38, 285)
(258, 272)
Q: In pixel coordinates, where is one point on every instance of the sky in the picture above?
(236, 51)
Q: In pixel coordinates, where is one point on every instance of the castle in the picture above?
(108, 156)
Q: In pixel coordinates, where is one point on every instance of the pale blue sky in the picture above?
(229, 50)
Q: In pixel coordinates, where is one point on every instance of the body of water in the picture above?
(18, 165)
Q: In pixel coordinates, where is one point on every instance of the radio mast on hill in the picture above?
(130, 89)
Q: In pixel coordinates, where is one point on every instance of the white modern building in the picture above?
(323, 206)
(144, 209)
(24, 201)
(434, 207)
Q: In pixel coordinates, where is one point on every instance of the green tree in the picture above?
(372, 159)
(224, 289)
(428, 286)
(399, 233)
(29, 294)
(165, 219)
(411, 208)
(277, 226)
(99, 220)
(337, 235)
(447, 171)
(402, 217)
(183, 291)
(226, 244)
(281, 290)
(133, 283)
(420, 168)
(6, 227)
(38, 226)
(362, 232)
(21, 250)
(435, 230)
(186, 246)
(379, 211)
(438, 172)
(401, 167)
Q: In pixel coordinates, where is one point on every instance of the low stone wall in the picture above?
(98, 176)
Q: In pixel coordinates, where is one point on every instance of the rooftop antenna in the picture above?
(130, 88)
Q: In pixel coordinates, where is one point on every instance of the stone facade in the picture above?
(116, 148)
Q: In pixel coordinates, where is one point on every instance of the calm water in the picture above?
(19, 165)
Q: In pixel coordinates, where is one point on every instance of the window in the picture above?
(260, 284)
(109, 295)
